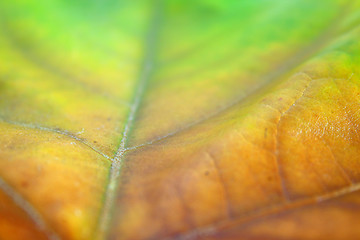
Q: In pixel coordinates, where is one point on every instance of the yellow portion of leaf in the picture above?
(60, 175)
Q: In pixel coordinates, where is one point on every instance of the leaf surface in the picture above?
(179, 119)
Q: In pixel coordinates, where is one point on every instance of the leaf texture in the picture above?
(179, 119)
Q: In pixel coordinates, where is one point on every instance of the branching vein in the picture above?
(29, 210)
(58, 131)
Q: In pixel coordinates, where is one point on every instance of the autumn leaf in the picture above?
(180, 120)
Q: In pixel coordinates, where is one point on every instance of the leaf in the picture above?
(179, 119)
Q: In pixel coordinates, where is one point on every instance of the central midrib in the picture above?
(147, 67)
